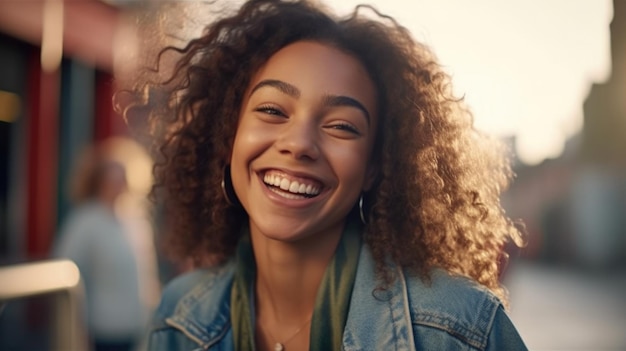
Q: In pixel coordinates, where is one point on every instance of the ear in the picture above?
(370, 176)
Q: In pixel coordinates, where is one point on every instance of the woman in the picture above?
(334, 190)
(95, 237)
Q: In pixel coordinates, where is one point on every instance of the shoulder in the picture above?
(448, 312)
(194, 310)
(453, 305)
(193, 287)
(77, 233)
(448, 293)
(86, 217)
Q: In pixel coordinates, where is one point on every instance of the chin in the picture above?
(282, 230)
(291, 230)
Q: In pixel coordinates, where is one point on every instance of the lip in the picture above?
(293, 203)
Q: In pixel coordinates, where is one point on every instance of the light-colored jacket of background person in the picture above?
(93, 237)
(450, 313)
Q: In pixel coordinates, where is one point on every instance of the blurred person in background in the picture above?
(96, 238)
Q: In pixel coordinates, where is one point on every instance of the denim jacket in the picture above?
(449, 313)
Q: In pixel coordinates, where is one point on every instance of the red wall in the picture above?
(89, 29)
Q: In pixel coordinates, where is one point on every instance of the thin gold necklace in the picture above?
(280, 346)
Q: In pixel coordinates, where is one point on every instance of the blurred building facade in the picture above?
(55, 98)
(574, 207)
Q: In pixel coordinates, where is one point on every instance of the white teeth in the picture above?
(286, 194)
(290, 186)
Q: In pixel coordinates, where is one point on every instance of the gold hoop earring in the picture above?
(361, 212)
(227, 188)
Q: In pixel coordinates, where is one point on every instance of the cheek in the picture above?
(351, 163)
(241, 141)
(250, 141)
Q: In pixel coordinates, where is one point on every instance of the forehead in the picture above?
(317, 68)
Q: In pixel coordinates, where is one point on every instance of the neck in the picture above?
(107, 199)
(289, 275)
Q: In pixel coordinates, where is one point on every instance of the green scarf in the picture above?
(331, 304)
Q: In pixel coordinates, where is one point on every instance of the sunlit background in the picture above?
(548, 77)
(523, 66)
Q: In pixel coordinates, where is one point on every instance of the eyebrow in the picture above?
(328, 100)
(340, 100)
(285, 88)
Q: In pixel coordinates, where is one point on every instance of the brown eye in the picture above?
(270, 110)
(345, 127)
(342, 130)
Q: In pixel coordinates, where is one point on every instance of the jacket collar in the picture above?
(379, 318)
(203, 314)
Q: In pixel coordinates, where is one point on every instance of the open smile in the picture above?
(291, 187)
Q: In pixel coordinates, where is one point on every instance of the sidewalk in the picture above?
(560, 309)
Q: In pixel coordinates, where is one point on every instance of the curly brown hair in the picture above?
(435, 202)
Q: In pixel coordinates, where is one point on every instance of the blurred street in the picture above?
(563, 309)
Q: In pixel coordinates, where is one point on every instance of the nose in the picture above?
(300, 140)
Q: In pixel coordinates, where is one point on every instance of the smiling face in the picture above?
(301, 155)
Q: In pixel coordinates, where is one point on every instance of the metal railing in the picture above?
(59, 279)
